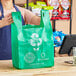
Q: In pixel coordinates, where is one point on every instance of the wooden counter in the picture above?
(60, 69)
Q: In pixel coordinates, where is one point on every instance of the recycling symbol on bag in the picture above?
(35, 41)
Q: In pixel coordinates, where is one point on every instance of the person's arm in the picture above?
(35, 20)
(30, 18)
(7, 20)
(2, 23)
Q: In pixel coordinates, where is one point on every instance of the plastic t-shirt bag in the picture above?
(32, 45)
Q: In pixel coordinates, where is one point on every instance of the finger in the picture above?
(7, 19)
(10, 20)
(9, 15)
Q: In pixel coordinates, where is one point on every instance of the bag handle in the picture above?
(17, 21)
(45, 20)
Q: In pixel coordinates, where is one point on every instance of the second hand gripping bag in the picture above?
(32, 45)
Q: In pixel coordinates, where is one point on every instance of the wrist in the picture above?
(1, 24)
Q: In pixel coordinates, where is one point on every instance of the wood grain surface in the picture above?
(60, 69)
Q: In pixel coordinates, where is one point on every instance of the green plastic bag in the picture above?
(32, 45)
